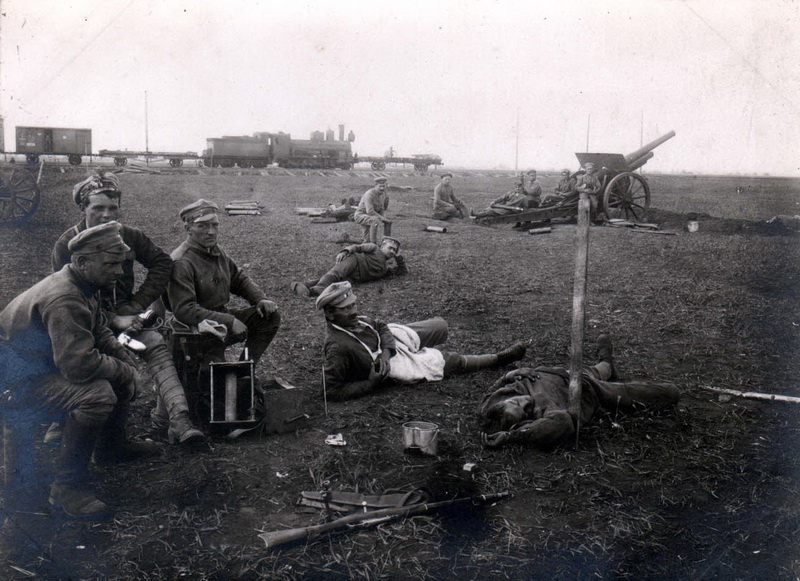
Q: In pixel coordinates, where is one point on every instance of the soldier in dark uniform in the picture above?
(358, 263)
(204, 277)
(362, 353)
(59, 359)
(529, 406)
(99, 197)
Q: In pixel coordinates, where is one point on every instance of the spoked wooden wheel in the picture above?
(19, 195)
(628, 197)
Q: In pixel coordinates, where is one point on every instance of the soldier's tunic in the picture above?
(370, 213)
(534, 190)
(591, 184)
(142, 250)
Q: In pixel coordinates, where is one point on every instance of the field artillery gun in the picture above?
(624, 194)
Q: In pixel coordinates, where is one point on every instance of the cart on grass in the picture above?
(625, 194)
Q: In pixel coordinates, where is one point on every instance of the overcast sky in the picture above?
(445, 77)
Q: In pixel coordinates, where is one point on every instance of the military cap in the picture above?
(381, 180)
(339, 294)
(199, 211)
(446, 174)
(394, 241)
(97, 183)
(565, 172)
(588, 164)
(531, 172)
(101, 238)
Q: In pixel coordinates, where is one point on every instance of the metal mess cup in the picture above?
(421, 436)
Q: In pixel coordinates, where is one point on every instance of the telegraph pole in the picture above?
(516, 153)
(146, 132)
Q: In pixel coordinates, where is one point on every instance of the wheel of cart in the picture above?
(175, 162)
(120, 161)
(627, 196)
(421, 167)
(32, 158)
(74, 159)
(19, 195)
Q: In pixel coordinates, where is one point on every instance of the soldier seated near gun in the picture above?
(362, 353)
(516, 200)
(564, 187)
(358, 263)
(445, 203)
(529, 405)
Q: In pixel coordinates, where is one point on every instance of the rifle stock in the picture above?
(276, 538)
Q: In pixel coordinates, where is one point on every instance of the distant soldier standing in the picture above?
(371, 212)
(445, 203)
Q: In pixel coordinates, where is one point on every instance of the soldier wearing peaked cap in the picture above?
(99, 197)
(59, 360)
(534, 188)
(371, 212)
(445, 203)
(362, 353)
(358, 263)
(564, 187)
(517, 198)
(590, 183)
(203, 279)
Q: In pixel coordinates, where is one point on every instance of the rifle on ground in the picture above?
(277, 538)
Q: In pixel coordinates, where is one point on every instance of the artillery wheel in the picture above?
(120, 161)
(74, 159)
(175, 162)
(32, 158)
(374, 165)
(19, 195)
(627, 196)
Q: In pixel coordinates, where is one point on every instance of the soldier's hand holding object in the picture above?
(265, 307)
(219, 330)
(127, 323)
(238, 328)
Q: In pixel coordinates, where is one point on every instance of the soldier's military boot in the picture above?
(605, 352)
(113, 444)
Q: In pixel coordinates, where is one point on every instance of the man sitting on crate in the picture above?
(510, 202)
(362, 353)
(529, 406)
(59, 359)
(358, 263)
(371, 212)
(100, 199)
(204, 277)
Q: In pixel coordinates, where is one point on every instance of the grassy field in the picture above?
(708, 491)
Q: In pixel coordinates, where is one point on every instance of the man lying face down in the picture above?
(530, 405)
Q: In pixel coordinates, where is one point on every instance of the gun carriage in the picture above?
(624, 194)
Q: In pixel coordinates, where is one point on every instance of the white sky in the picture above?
(444, 77)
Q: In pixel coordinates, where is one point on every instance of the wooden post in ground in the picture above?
(578, 311)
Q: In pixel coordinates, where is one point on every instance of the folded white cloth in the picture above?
(410, 363)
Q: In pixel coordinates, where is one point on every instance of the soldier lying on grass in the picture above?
(362, 353)
(529, 405)
(358, 263)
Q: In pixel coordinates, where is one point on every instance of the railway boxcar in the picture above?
(36, 141)
(243, 151)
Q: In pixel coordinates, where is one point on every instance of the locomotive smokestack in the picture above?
(341, 132)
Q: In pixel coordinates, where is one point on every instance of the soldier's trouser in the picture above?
(260, 332)
(344, 270)
(369, 227)
(449, 212)
(48, 398)
(433, 332)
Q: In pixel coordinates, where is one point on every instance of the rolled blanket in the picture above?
(410, 363)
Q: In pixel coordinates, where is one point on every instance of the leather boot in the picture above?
(171, 404)
(70, 490)
(113, 444)
(605, 352)
(322, 284)
(513, 353)
(478, 362)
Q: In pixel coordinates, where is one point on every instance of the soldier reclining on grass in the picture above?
(529, 405)
(362, 353)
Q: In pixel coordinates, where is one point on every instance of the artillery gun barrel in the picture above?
(640, 161)
(649, 147)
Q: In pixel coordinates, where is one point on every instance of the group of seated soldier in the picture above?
(63, 363)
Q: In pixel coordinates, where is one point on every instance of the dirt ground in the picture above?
(707, 491)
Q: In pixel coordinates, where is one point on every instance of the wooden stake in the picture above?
(579, 311)
(753, 394)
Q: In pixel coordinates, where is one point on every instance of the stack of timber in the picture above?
(243, 208)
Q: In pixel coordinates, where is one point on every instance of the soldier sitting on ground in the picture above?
(445, 203)
(529, 406)
(517, 198)
(362, 353)
(358, 263)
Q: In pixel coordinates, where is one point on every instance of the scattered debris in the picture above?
(753, 394)
(335, 440)
(545, 230)
(243, 208)
(439, 229)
